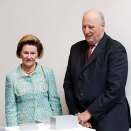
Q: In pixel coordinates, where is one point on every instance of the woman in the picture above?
(30, 92)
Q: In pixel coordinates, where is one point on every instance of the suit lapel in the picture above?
(96, 52)
(84, 49)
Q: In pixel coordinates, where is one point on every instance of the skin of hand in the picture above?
(84, 117)
(87, 124)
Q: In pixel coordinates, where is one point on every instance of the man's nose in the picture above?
(87, 30)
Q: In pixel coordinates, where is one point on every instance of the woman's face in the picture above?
(29, 54)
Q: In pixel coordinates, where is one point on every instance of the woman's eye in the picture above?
(26, 53)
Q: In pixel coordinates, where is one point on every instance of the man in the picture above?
(95, 79)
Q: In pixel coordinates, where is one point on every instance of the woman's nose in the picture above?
(29, 56)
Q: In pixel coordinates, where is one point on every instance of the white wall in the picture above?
(57, 23)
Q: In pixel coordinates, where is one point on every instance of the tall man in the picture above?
(96, 76)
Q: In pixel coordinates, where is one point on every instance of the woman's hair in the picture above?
(30, 40)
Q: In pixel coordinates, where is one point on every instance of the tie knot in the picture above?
(91, 46)
(90, 50)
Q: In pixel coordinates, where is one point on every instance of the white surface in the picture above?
(57, 23)
(41, 127)
(64, 122)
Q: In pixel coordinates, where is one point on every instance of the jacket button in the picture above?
(81, 94)
(82, 77)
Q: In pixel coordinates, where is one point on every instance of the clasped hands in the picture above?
(83, 119)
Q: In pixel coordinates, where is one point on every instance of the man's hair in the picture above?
(101, 17)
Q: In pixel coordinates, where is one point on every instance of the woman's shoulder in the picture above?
(11, 76)
(13, 73)
(48, 71)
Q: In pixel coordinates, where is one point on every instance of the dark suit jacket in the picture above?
(98, 84)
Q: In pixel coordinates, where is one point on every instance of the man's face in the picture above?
(92, 28)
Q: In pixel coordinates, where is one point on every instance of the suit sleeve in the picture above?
(115, 84)
(54, 99)
(10, 103)
(68, 89)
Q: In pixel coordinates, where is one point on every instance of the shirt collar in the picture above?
(22, 73)
(96, 44)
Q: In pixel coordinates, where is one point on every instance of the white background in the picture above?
(57, 23)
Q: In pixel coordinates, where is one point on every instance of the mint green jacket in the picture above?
(31, 97)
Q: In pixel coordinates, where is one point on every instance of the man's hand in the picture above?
(84, 117)
(87, 124)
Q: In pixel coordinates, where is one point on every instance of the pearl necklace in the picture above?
(29, 72)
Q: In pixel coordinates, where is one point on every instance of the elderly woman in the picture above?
(30, 92)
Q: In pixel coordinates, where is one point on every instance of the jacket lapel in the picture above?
(83, 53)
(96, 52)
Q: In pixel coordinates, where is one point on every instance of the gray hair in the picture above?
(100, 15)
(102, 20)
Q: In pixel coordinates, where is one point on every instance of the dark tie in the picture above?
(90, 50)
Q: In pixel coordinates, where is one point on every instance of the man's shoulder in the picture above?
(114, 43)
(80, 44)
